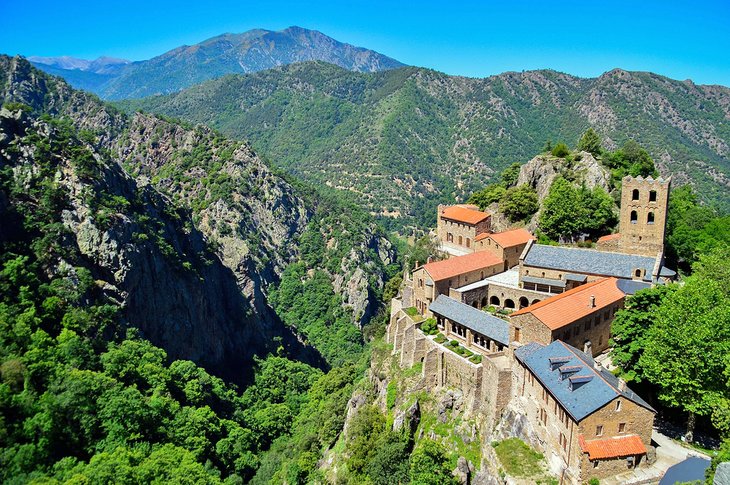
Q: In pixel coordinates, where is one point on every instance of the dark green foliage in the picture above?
(429, 327)
(568, 211)
(509, 175)
(560, 150)
(429, 465)
(723, 455)
(590, 142)
(631, 159)
(519, 203)
(487, 196)
(630, 326)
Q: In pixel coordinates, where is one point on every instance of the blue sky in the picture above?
(678, 39)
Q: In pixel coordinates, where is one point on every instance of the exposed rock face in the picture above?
(540, 172)
(722, 474)
(214, 201)
(409, 417)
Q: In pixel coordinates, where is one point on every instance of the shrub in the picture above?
(391, 394)
(560, 150)
(440, 338)
(411, 311)
(429, 327)
(454, 343)
(476, 358)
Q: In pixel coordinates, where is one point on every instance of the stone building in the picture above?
(434, 279)
(458, 226)
(506, 245)
(587, 422)
(476, 330)
(501, 291)
(581, 317)
(642, 223)
(558, 268)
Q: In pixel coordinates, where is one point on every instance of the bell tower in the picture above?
(643, 220)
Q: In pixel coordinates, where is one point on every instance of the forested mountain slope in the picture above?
(251, 51)
(405, 139)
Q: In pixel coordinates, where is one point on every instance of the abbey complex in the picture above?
(520, 328)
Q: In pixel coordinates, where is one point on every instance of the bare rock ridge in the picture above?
(540, 172)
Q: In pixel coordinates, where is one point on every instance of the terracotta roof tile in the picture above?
(448, 268)
(464, 214)
(565, 308)
(515, 237)
(609, 237)
(620, 447)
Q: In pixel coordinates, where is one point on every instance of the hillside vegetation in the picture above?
(401, 141)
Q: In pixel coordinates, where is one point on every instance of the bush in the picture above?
(454, 343)
(593, 481)
(560, 150)
(429, 327)
(440, 338)
(411, 311)
(519, 203)
(476, 358)
(391, 394)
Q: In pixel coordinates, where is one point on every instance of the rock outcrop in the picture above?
(540, 172)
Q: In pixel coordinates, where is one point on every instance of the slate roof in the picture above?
(565, 308)
(630, 286)
(448, 268)
(544, 281)
(464, 214)
(617, 447)
(602, 263)
(582, 400)
(477, 320)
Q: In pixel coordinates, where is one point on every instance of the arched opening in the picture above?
(535, 301)
(484, 302)
(634, 217)
(524, 302)
(635, 194)
(494, 300)
(650, 218)
(652, 196)
(637, 273)
(449, 237)
(461, 241)
(508, 303)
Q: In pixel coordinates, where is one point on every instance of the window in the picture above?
(468, 242)
(587, 326)
(650, 218)
(635, 194)
(621, 428)
(449, 237)
(618, 405)
(517, 334)
(563, 442)
(637, 273)
(595, 463)
(652, 196)
(634, 217)
(420, 282)
(599, 430)
(543, 416)
(461, 241)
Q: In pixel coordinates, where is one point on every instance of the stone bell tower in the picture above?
(643, 220)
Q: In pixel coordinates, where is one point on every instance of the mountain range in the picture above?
(251, 51)
(403, 140)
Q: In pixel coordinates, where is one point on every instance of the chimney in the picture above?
(593, 301)
(621, 385)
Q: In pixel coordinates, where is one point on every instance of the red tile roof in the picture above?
(609, 237)
(514, 237)
(464, 214)
(620, 447)
(565, 308)
(448, 268)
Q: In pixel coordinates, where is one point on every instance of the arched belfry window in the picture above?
(634, 217)
(650, 218)
(635, 194)
(652, 196)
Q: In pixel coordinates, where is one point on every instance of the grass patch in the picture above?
(476, 358)
(391, 394)
(518, 459)
(417, 369)
(411, 311)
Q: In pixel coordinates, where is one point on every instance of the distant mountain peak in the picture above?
(228, 53)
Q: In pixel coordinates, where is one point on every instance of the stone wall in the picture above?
(511, 255)
(527, 328)
(498, 296)
(424, 294)
(642, 221)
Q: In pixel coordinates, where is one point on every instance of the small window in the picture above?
(650, 218)
(468, 242)
(635, 194)
(618, 405)
(599, 430)
(595, 463)
(634, 217)
(652, 196)
(517, 334)
(621, 428)
(461, 241)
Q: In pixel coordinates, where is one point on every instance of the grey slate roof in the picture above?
(581, 278)
(473, 319)
(591, 261)
(543, 281)
(586, 397)
(630, 287)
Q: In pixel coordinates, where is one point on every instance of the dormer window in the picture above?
(637, 273)
(635, 194)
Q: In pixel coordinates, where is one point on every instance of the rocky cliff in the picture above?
(214, 226)
(540, 172)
